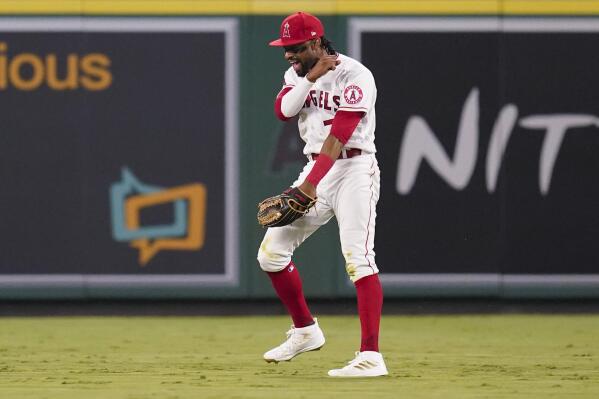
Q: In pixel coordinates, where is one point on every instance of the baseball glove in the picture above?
(285, 208)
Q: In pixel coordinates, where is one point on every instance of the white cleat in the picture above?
(366, 364)
(299, 340)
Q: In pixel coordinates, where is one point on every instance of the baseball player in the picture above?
(334, 96)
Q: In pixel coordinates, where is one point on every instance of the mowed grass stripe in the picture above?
(221, 357)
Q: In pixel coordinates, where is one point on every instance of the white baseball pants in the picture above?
(350, 192)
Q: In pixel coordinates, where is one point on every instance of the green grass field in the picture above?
(528, 356)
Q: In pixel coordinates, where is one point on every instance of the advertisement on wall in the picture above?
(119, 151)
(487, 134)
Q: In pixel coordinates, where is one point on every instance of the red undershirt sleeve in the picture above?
(344, 124)
(278, 101)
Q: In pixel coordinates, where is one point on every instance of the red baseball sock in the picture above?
(288, 285)
(370, 304)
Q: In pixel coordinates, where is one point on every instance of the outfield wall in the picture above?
(137, 138)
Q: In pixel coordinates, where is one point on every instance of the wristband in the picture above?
(322, 165)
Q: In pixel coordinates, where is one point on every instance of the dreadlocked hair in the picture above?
(327, 45)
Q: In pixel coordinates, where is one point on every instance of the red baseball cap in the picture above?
(298, 28)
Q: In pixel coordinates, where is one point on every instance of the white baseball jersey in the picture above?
(350, 87)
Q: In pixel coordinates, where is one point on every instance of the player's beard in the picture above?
(305, 67)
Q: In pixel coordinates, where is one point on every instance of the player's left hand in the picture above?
(285, 208)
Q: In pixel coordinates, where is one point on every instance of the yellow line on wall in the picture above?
(544, 7)
(282, 7)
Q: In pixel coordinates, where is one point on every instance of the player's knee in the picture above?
(270, 261)
(269, 265)
(358, 271)
(263, 261)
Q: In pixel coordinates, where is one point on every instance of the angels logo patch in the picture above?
(286, 30)
(353, 94)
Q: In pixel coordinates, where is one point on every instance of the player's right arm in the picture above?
(292, 96)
